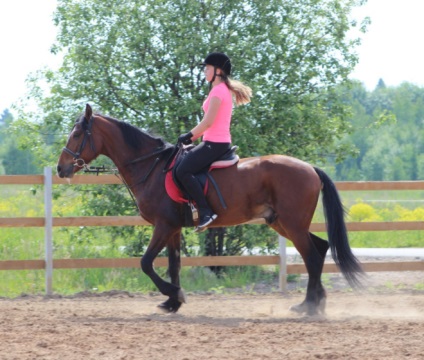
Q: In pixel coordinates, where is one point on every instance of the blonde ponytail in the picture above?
(242, 93)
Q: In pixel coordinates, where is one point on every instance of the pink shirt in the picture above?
(220, 129)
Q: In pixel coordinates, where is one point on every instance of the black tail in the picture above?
(337, 233)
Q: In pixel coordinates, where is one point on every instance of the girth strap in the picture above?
(218, 191)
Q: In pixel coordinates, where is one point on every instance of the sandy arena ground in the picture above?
(384, 322)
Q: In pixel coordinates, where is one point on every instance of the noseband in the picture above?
(87, 137)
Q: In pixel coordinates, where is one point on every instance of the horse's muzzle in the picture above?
(65, 171)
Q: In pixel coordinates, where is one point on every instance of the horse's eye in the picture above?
(77, 131)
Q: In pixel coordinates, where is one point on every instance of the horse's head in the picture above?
(80, 149)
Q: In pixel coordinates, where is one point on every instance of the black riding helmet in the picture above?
(218, 60)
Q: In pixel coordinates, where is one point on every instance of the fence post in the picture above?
(283, 263)
(48, 226)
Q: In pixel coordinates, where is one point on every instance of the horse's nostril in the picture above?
(58, 168)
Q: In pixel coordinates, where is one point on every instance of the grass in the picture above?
(14, 283)
(67, 282)
(383, 239)
(407, 198)
(419, 286)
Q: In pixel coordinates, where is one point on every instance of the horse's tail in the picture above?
(337, 233)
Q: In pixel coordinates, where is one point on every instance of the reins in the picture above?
(158, 151)
(103, 169)
(176, 150)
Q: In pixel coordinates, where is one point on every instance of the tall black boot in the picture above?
(195, 191)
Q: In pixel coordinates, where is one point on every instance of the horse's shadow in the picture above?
(204, 319)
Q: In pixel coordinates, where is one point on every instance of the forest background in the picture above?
(385, 137)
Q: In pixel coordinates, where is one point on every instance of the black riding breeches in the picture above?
(196, 160)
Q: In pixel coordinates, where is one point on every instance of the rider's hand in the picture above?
(185, 138)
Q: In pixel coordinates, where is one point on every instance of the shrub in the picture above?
(363, 212)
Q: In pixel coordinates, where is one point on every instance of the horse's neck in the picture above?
(122, 155)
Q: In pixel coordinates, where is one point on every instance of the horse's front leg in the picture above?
(174, 246)
(162, 236)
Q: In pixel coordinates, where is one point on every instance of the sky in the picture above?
(390, 50)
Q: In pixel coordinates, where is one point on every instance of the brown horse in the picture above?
(280, 189)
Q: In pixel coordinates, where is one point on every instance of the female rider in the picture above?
(215, 128)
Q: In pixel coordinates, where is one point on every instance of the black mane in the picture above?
(134, 136)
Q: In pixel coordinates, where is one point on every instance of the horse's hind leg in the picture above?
(313, 250)
(321, 246)
(313, 255)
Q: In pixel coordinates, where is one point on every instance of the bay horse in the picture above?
(280, 189)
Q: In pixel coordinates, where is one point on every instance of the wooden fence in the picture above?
(48, 264)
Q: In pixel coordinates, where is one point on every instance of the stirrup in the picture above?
(202, 227)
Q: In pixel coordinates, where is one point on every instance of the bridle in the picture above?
(78, 161)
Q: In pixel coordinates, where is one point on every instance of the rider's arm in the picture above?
(208, 118)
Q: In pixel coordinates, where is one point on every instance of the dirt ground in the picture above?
(384, 322)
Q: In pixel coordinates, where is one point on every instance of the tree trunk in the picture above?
(214, 245)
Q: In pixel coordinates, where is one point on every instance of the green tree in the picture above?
(5, 119)
(138, 60)
(19, 162)
(388, 133)
(14, 160)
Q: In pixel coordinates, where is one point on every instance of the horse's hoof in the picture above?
(322, 305)
(166, 309)
(181, 297)
(299, 308)
(170, 306)
(308, 309)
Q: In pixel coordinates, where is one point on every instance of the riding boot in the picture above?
(195, 191)
(206, 217)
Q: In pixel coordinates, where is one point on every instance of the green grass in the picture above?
(67, 282)
(387, 239)
(407, 198)
(419, 286)
(382, 239)
(14, 282)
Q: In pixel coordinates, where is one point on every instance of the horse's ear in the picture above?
(88, 112)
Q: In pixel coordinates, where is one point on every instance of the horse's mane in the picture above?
(134, 136)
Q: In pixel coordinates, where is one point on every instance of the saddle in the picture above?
(175, 189)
